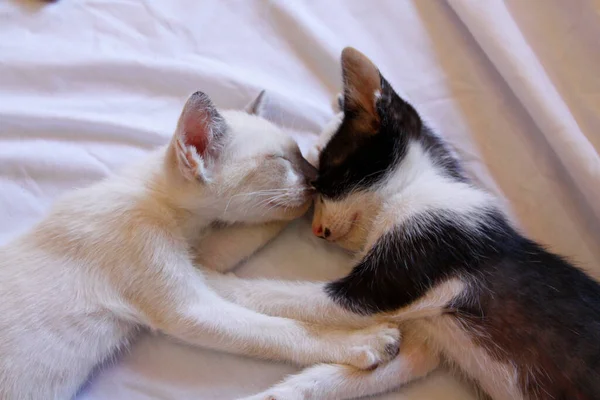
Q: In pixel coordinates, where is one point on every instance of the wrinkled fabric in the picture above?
(88, 86)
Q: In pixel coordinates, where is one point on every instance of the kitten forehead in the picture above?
(353, 161)
(252, 136)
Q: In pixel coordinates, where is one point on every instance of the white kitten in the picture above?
(117, 256)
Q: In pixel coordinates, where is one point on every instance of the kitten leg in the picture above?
(182, 306)
(304, 301)
(225, 326)
(339, 382)
(226, 247)
(309, 301)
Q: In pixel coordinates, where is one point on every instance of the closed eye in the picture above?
(276, 156)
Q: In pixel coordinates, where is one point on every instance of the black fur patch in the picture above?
(419, 254)
(354, 160)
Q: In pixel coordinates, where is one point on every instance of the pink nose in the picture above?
(318, 230)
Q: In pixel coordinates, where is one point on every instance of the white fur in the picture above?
(335, 382)
(117, 256)
(417, 186)
(496, 378)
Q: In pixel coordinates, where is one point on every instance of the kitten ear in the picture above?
(198, 137)
(256, 106)
(362, 88)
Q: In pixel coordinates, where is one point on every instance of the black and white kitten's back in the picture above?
(521, 321)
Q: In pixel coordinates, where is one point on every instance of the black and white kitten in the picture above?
(437, 255)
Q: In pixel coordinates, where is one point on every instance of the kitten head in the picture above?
(236, 166)
(379, 146)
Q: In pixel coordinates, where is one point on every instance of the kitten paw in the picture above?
(375, 345)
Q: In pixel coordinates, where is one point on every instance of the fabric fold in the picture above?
(492, 26)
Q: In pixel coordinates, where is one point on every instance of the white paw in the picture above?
(374, 345)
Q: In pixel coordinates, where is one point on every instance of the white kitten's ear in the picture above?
(362, 88)
(198, 138)
(256, 106)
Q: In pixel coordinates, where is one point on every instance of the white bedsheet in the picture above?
(86, 86)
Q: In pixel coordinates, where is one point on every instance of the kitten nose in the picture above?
(318, 230)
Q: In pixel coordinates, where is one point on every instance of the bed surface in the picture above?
(88, 86)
